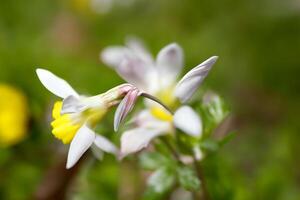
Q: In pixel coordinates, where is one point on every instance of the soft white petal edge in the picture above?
(54, 84)
(187, 120)
(72, 104)
(170, 60)
(136, 139)
(114, 55)
(105, 145)
(83, 139)
(188, 85)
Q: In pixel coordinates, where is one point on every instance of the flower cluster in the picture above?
(159, 78)
(165, 107)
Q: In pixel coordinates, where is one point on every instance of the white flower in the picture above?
(76, 116)
(159, 78)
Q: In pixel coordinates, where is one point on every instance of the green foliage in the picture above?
(153, 160)
(162, 180)
(188, 179)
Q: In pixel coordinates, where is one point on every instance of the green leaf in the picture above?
(162, 180)
(188, 179)
(209, 145)
(227, 138)
(152, 160)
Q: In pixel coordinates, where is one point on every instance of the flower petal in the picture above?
(54, 84)
(138, 47)
(135, 71)
(186, 119)
(136, 139)
(114, 55)
(125, 107)
(105, 145)
(170, 62)
(97, 152)
(188, 85)
(72, 104)
(83, 139)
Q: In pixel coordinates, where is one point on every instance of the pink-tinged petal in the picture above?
(170, 62)
(114, 55)
(83, 139)
(105, 145)
(125, 107)
(187, 120)
(138, 47)
(188, 85)
(136, 139)
(136, 72)
(54, 84)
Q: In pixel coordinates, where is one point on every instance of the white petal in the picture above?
(186, 119)
(72, 104)
(138, 47)
(188, 85)
(54, 84)
(97, 152)
(136, 139)
(135, 71)
(104, 144)
(83, 139)
(170, 62)
(146, 120)
(114, 55)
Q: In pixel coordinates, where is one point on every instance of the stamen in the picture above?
(153, 98)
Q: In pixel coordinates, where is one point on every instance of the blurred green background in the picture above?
(258, 44)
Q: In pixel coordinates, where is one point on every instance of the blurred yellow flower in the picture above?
(13, 115)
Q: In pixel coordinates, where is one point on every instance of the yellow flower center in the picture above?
(65, 126)
(13, 115)
(161, 114)
(166, 96)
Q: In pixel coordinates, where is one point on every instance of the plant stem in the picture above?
(200, 174)
(171, 149)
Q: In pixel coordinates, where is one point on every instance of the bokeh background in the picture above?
(258, 44)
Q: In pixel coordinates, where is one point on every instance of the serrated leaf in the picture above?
(188, 179)
(162, 180)
(152, 160)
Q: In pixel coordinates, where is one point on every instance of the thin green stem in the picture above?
(171, 149)
(200, 174)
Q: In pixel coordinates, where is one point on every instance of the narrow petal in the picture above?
(188, 85)
(97, 152)
(138, 47)
(136, 139)
(186, 119)
(54, 84)
(83, 139)
(170, 62)
(125, 107)
(105, 145)
(114, 55)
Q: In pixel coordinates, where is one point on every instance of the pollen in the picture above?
(63, 127)
(161, 114)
